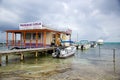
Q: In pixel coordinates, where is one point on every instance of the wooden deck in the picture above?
(21, 52)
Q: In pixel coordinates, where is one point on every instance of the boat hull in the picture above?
(64, 53)
(84, 47)
(100, 42)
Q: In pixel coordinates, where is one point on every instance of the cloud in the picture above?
(8, 16)
(108, 6)
(89, 19)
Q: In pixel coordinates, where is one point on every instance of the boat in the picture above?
(93, 44)
(64, 52)
(84, 44)
(100, 41)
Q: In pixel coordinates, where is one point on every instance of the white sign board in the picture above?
(30, 25)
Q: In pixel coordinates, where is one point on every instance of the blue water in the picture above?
(111, 45)
(92, 64)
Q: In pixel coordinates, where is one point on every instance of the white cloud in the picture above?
(66, 7)
(95, 12)
(98, 18)
(8, 16)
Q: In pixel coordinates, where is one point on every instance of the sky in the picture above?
(88, 19)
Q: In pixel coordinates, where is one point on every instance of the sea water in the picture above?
(92, 64)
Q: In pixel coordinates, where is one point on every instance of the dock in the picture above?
(21, 52)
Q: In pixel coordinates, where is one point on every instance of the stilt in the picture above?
(36, 60)
(99, 51)
(0, 60)
(21, 57)
(6, 58)
(45, 52)
(53, 50)
(113, 55)
(36, 54)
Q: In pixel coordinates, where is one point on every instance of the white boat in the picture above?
(84, 44)
(100, 41)
(63, 53)
(93, 44)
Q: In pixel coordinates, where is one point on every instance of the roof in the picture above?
(44, 28)
(36, 30)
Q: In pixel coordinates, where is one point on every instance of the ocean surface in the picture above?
(93, 64)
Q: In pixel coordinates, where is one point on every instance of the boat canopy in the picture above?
(82, 42)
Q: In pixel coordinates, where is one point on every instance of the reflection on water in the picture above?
(92, 64)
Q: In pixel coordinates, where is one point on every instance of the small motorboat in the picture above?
(100, 41)
(93, 44)
(84, 44)
(63, 53)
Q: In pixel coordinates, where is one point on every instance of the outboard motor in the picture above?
(77, 46)
(82, 47)
(57, 52)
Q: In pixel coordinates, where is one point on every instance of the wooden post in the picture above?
(7, 39)
(21, 57)
(36, 60)
(40, 39)
(113, 55)
(36, 39)
(0, 60)
(99, 50)
(36, 54)
(6, 58)
(44, 40)
(53, 50)
(56, 39)
(24, 38)
(13, 39)
(45, 52)
(31, 37)
(21, 40)
(30, 42)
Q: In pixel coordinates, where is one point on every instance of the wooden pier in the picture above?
(21, 52)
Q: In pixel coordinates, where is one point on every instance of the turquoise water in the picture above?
(92, 64)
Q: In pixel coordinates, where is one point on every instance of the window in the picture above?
(34, 35)
(28, 35)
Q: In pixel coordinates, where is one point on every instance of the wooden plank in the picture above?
(25, 50)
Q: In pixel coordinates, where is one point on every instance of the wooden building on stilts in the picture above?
(35, 36)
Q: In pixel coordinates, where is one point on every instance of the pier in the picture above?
(21, 52)
(35, 39)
